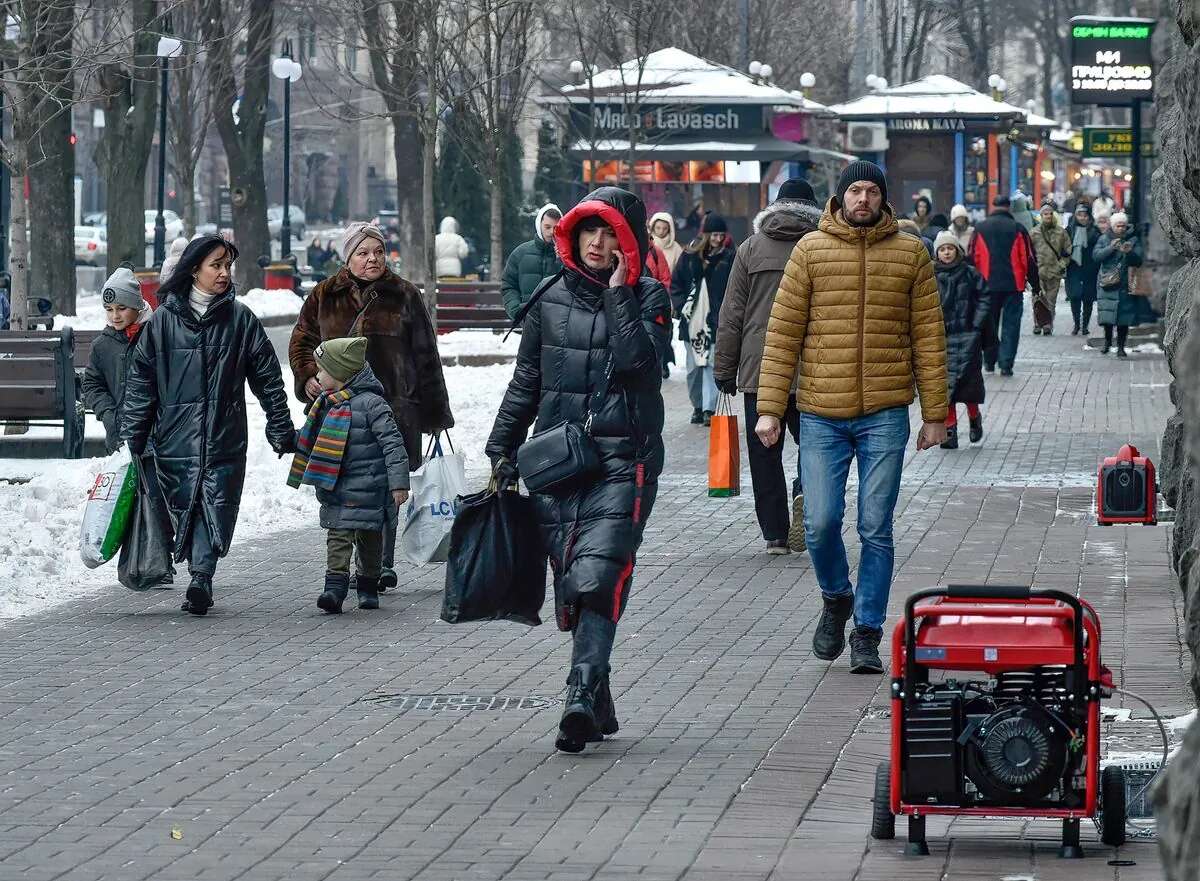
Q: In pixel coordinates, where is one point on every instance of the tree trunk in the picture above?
(185, 186)
(52, 210)
(18, 248)
(496, 192)
(407, 146)
(428, 218)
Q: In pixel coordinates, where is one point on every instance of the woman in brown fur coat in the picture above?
(365, 299)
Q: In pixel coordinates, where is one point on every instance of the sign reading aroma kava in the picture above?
(666, 120)
(1111, 60)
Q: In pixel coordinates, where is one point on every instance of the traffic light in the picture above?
(73, 139)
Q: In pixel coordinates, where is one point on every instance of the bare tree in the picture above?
(904, 29)
(189, 111)
(977, 26)
(493, 76)
(129, 92)
(241, 116)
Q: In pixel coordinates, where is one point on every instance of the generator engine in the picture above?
(1014, 740)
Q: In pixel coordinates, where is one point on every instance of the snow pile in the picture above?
(1180, 724)
(39, 553)
(477, 342)
(89, 311)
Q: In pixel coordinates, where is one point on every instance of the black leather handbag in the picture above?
(555, 461)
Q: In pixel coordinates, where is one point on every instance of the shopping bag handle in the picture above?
(724, 405)
(435, 445)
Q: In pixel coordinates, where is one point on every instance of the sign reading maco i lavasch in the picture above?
(1111, 60)
(668, 119)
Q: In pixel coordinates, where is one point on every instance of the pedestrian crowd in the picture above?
(830, 321)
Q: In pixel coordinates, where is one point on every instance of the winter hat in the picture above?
(861, 170)
(945, 237)
(1001, 202)
(342, 358)
(355, 234)
(959, 211)
(797, 189)
(122, 289)
(1119, 217)
(713, 223)
(548, 208)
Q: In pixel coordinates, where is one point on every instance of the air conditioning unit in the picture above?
(866, 137)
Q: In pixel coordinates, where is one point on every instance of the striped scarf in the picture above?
(322, 442)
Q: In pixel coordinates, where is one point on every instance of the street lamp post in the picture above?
(289, 71)
(168, 48)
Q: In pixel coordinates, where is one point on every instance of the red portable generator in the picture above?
(1126, 491)
(1020, 738)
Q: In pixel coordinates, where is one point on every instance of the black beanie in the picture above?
(861, 170)
(713, 223)
(797, 189)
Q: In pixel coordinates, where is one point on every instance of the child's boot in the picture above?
(337, 584)
(951, 441)
(976, 428)
(368, 592)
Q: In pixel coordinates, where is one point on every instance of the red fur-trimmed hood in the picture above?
(621, 210)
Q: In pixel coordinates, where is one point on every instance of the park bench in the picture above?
(38, 383)
(470, 305)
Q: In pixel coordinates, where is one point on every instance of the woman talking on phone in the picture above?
(590, 353)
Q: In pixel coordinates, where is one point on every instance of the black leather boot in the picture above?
(864, 650)
(951, 441)
(976, 428)
(578, 724)
(388, 579)
(337, 584)
(199, 595)
(368, 592)
(606, 712)
(829, 639)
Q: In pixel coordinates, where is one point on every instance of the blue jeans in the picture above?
(1007, 309)
(826, 448)
(702, 388)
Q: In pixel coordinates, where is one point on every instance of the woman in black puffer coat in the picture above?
(599, 307)
(186, 391)
(965, 309)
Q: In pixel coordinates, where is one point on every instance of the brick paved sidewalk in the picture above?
(269, 741)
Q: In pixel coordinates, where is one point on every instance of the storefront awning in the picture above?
(936, 95)
(763, 148)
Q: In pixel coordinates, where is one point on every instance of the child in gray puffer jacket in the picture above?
(352, 452)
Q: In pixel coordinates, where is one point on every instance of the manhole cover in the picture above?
(459, 703)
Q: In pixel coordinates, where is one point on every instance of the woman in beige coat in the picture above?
(1053, 247)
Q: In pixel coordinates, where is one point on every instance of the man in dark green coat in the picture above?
(531, 261)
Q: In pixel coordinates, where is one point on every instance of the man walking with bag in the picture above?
(858, 308)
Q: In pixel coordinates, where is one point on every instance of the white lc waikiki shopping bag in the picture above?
(109, 508)
(432, 503)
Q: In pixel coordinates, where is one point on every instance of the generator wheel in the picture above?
(883, 821)
(1112, 806)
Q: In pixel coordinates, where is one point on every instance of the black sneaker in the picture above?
(697, 416)
(976, 428)
(864, 650)
(199, 595)
(1075, 330)
(829, 639)
(951, 441)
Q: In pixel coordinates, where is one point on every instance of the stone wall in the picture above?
(1175, 195)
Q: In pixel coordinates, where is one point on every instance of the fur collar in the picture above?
(801, 210)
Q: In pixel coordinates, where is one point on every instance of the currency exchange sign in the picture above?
(1111, 60)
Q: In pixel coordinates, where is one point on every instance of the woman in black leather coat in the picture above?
(186, 392)
(599, 307)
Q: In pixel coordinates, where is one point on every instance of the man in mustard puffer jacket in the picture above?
(858, 307)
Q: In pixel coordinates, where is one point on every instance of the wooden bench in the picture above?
(38, 385)
(470, 305)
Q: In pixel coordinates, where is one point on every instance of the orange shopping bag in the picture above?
(724, 453)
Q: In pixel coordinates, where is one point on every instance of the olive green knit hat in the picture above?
(342, 358)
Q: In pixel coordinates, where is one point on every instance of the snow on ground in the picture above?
(89, 311)
(40, 565)
(477, 342)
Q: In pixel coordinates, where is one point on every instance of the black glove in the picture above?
(285, 446)
(728, 386)
(112, 431)
(506, 473)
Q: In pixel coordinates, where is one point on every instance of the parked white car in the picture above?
(275, 221)
(172, 221)
(91, 245)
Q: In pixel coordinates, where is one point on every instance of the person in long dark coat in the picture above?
(601, 311)
(1082, 267)
(966, 309)
(1115, 252)
(186, 391)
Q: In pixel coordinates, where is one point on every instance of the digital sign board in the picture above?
(1111, 60)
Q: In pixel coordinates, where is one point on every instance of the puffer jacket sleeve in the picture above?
(391, 442)
(96, 395)
(431, 382)
(306, 336)
(928, 330)
(510, 282)
(520, 405)
(785, 334)
(141, 391)
(983, 303)
(1034, 280)
(1136, 256)
(732, 319)
(266, 381)
(633, 324)
(683, 283)
(1105, 245)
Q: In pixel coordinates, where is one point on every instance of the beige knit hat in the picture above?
(354, 235)
(945, 237)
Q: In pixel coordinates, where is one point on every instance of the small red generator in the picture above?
(1126, 491)
(1021, 738)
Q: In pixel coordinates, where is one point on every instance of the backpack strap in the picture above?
(519, 318)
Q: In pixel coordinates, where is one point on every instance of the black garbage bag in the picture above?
(496, 569)
(146, 552)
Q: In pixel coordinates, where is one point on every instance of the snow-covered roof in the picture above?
(672, 76)
(933, 95)
(762, 148)
(1036, 120)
